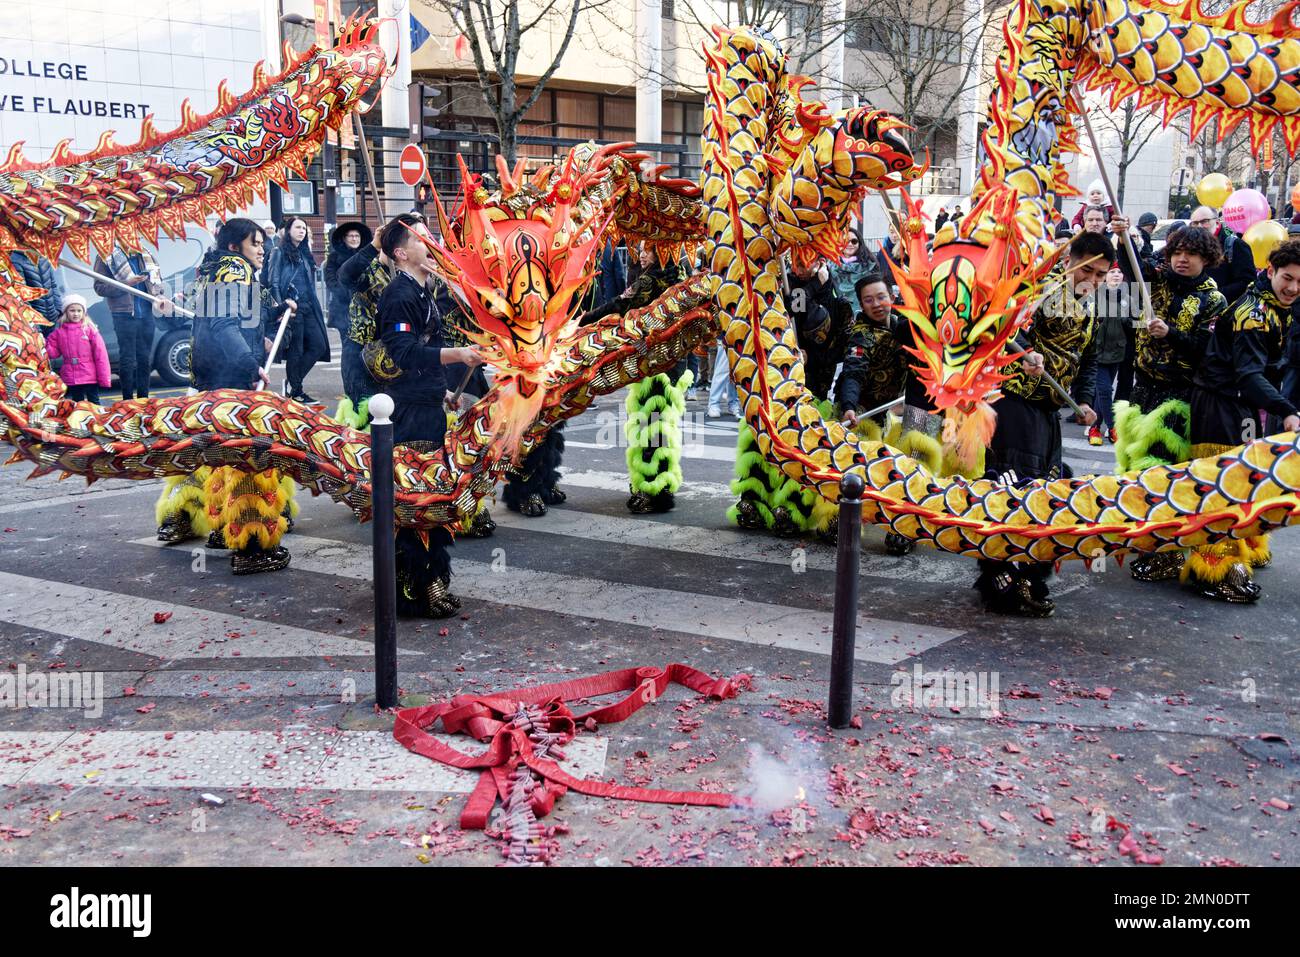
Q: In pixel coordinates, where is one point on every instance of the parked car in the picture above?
(177, 261)
(1163, 228)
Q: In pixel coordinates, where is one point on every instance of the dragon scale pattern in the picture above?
(780, 172)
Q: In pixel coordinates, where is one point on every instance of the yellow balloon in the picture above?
(1214, 189)
(1263, 238)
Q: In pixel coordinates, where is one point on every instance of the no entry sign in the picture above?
(412, 164)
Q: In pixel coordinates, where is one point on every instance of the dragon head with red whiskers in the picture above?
(966, 302)
(520, 258)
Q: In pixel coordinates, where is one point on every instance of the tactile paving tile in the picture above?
(373, 760)
(348, 760)
(20, 751)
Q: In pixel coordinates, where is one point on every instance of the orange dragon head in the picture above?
(519, 258)
(966, 301)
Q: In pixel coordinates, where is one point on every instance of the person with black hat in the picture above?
(1146, 226)
(822, 321)
(345, 242)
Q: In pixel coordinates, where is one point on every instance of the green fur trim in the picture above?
(769, 488)
(1139, 433)
(354, 417)
(763, 512)
(654, 434)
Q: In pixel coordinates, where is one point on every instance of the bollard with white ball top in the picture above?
(385, 559)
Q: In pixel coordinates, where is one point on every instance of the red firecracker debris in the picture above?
(161, 617)
(147, 708)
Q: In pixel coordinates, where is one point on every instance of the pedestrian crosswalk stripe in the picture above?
(804, 630)
(618, 482)
(127, 622)
(212, 760)
(84, 497)
(727, 542)
(695, 450)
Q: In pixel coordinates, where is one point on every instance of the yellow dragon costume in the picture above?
(779, 172)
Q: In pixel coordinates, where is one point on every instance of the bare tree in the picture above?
(496, 32)
(1129, 130)
(917, 58)
(1228, 156)
(802, 27)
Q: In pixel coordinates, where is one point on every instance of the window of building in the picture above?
(905, 39)
(683, 122)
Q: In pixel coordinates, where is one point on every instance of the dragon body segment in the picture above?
(780, 172)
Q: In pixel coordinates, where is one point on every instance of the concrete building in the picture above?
(632, 71)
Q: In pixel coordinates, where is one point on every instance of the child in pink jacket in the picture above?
(85, 359)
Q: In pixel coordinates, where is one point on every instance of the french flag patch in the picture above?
(403, 327)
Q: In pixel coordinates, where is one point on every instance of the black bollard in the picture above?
(844, 635)
(385, 560)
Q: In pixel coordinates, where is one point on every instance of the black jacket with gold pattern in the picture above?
(1064, 331)
(1247, 349)
(1188, 307)
(875, 365)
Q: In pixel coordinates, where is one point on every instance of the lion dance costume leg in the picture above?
(654, 436)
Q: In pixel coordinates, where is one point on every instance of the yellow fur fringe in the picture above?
(246, 507)
(289, 489)
(1211, 563)
(183, 494)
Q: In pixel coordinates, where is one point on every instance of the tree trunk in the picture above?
(509, 135)
(1125, 143)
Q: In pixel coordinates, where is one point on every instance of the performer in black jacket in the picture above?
(411, 331)
(822, 321)
(875, 366)
(1241, 374)
(1027, 441)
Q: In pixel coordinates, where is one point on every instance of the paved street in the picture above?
(1174, 717)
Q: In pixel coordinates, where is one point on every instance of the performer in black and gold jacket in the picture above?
(1153, 428)
(1027, 441)
(411, 331)
(1241, 374)
(247, 512)
(875, 366)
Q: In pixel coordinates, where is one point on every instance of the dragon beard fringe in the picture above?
(969, 435)
(247, 507)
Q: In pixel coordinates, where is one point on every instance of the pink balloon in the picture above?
(1245, 208)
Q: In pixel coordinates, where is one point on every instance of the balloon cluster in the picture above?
(1245, 211)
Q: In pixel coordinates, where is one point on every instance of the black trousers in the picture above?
(1124, 380)
(134, 353)
(1222, 420)
(357, 382)
(304, 343)
(84, 393)
(1027, 441)
(423, 424)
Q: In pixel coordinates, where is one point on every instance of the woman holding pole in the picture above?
(246, 512)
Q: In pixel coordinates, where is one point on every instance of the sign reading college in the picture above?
(59, 104)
